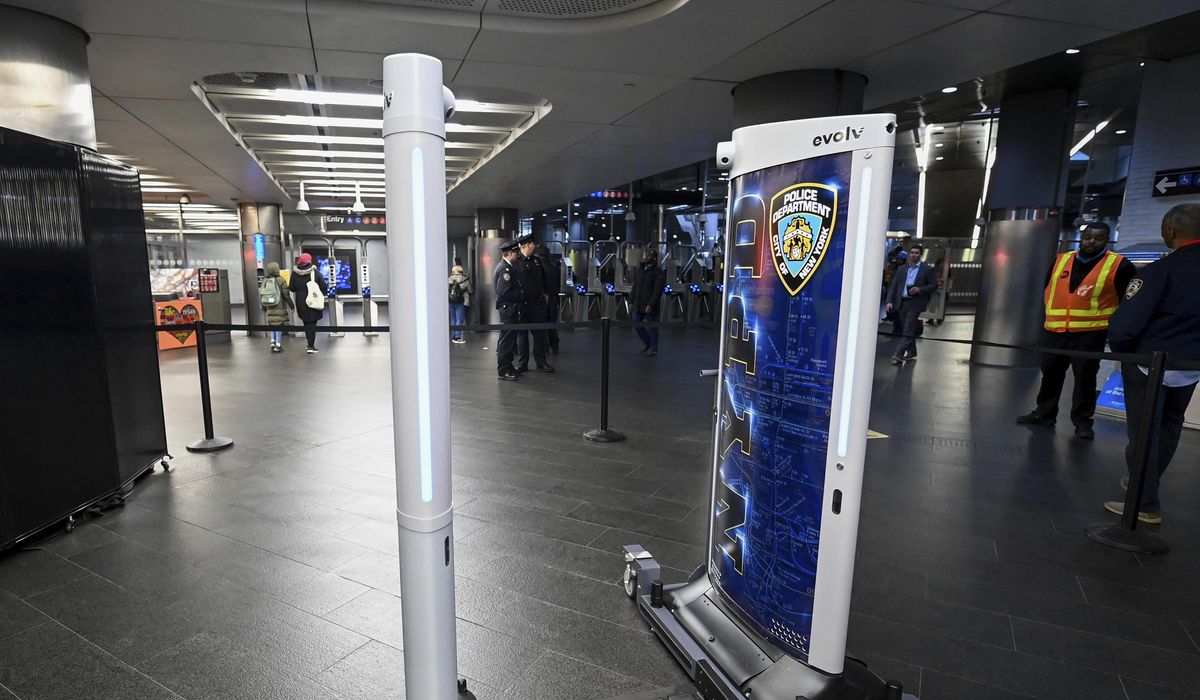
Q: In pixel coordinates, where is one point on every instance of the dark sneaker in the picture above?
(1085, 432)
(1034, 419)
(522, 370)
(508, 376)
(1118, 508)
(545, 369)
(898, 359)
(651, 353)
(311, 351)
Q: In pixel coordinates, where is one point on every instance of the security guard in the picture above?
(1083, 290)
(532, 276)
(506, 282)
(1161, 311)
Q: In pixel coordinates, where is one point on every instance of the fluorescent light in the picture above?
(346, 195)
(322, 164)
(321, 173)
(1072, 52)
(939, 127)
(165, 189)
(352, 123)
(315, 138)
(1121, 132)
(921, 203)
(949, 90)
(317, 153)
(938, 145)
(848, 377)
(940, 158)
(1092, 134)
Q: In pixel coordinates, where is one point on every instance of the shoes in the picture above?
(1033, 418)
(912, 357)
(458, 341)
(508, 375)
(311, 351)
(1118, 508)
(545, 369)
(276, 348)
(898, 359)
(645, 349)
(651, 353)
(522, 370)
(1085, 432)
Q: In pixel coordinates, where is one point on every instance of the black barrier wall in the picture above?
(76, 339)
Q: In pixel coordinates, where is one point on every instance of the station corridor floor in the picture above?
(270, 570)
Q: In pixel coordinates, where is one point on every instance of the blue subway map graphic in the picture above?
(783, 296)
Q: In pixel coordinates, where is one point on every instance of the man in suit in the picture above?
(908, 295)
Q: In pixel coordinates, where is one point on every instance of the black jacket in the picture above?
(531, 274)
(506, 282)
(648, 282)
(926, 281)
(298, 285)
(1161, 310)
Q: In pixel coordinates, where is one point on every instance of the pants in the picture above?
(508, 339)
(1170, 408)
(1054, 373)
(458, 317)
(277, 337)
(531, 312)
(647, 334)
(908, 314)
(552, 317)
(310, 333)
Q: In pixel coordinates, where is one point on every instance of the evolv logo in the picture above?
(837, 137)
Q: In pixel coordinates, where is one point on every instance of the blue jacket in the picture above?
(926, 281)
(1161, 310)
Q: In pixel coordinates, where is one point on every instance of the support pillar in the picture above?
(44, 77)
(797, 94)
(493, 226)
(261, 243)
(1028, 183)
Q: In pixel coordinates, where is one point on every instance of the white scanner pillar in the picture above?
(416, 106)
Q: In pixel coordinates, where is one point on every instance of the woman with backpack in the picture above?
(310, 289)
(274, 298)
(460, 299)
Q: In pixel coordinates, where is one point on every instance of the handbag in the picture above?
(315, 299)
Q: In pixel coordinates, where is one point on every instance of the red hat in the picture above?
(304, 259)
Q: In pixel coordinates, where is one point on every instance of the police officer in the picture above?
(531, 275)
(1083, 289)
(506, 282)
(1161, 311)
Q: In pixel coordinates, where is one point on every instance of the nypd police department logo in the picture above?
(802, 220)
(1135, 286)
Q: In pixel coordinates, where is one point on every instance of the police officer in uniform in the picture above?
(506, 282)
(1083, 290)
(531, 273)
(1161, 311)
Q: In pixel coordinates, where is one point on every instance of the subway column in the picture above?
(416, 106)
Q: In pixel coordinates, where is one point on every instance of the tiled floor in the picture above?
(270, 571)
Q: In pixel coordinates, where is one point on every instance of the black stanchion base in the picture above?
(210, 444)
(598, 435)
(1137, 541)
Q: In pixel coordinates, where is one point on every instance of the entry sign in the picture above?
(1168, 183)
(808, 212)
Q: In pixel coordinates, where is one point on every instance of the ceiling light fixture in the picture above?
(940, 158)
(1121, 132)
(358, 206)
(949, 90)
(302, 205)
(1072, 52)
(1092, 134)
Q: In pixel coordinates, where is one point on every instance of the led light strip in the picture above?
(864, 210)
(421, 303)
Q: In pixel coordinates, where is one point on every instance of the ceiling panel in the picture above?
(369, 65)
(877, 26)
(1117, 15)
(391, 32)
(975, 46)
(698, 106)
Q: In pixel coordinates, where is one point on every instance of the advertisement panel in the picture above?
(783, 304)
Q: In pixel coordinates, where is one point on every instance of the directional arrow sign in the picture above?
(1168, 183)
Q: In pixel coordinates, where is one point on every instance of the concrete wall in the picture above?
(1167, 136)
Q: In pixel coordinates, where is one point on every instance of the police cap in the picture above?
(509, 245)
(527, 238)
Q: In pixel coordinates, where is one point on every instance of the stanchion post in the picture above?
(603, 434)
(210, 443)
(1126, 536)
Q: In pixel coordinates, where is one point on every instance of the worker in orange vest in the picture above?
(1083, 290)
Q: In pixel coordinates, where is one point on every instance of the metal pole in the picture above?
(1126, 536)
(210, 443)
(603, 434)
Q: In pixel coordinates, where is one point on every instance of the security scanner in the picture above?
(593, 302)
(608, 269)
(576, 260)
(765, 615)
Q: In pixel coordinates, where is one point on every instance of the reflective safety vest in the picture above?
(1092, 303)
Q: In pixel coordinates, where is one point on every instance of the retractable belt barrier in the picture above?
(1124, 536)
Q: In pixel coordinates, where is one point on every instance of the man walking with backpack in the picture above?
(460, 300)
(274, 299)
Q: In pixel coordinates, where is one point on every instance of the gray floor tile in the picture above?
(291, 582)
(493, 657)
(208, 666)
(27, 572)
(544, 524)
(87, 536)
(557, 677)
(50, 661)
(17, 616)
(936, 686)
(372, 671)
(373, 614)
(374, 569)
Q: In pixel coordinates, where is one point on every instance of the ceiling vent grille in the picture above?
(570, 8)
(265, 81)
